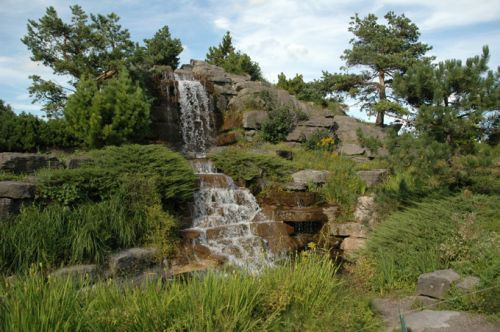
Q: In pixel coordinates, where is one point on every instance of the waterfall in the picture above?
(225, 214)
(196, 116)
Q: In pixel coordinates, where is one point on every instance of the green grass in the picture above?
(301, 295)
(459, 232)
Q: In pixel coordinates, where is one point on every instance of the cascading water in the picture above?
(224, 214)
(196, 116)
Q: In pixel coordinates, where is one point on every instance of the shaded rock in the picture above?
(301, 214)
(77, 162)
(131, 261)
(373, 176)
(288, 155)
(331, 213)
(276, 234)
(436, 284)
(288, 198)
(365, 212)
(9, 207)
(295, 187)
(17, 190)
(349, 229)
(309, 176)
(227, 139)
(27, 162)
(77, 271)
(254, 119)
(468, 283)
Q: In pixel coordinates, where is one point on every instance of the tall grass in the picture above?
(301, 295)
(459, 232)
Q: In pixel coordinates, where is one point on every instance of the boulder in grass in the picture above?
(313, 176)
(132, 261)
(436, 284)
(468, 283)
(17, 190)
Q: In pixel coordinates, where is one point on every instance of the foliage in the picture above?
(57, 234)
(303, 294)
(279, 123)
(369, 142)
(322, 140)
(26, 132)
(231, 60)
(171, 174)
(459, 232)
(87, 45)
(452, 98)
(115, 113)
(249, 166)
(161, 50)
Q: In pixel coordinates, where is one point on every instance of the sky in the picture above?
(290, 36)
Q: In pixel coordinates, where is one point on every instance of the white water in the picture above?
(224, 214)
(196, 118)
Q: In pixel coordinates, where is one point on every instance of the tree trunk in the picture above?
(381, 92)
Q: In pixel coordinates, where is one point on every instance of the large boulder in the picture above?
(373, 176)
(309, 176)
(436, 284)
(132, 261)
(17, 190)
(276, 234)
(254, 119)
(27, 162)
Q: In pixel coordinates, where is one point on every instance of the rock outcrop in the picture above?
(27, 162)
(13, 194)
(436, 284)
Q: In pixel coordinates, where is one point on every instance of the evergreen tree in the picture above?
(114, 113)
(162, 49)
(233, 61)
(385, 50)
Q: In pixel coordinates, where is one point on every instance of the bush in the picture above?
(322, 140)
(300, 295)
(172, 175)
(114, 113)
(248, 166)
(459, 232)
(373, 144)
(279, 123)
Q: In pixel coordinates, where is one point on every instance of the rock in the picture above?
(288, 155)
(351, 149)
(227, 139)
(331, 213)
(447, 321)
(351, 229)
(318, 121)
(365, 212)
(436, 284)
(301, 214)
(373, 176)
(77, 271)
(77, 162)
(27, 162)
(277, 235)
(424, 301)
(468, 283)
(17, 190)
(310, 176)
(302, 133)
(295, 187)
(389, 308)
(191, 233)
(131, 261)
(288, 198)
(352, 244)
(9, 207)
(254, 119)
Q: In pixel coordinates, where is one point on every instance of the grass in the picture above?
(301, 295)
(459, 232)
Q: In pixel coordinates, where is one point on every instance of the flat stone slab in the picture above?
(372, 177)
(17, 190)
(349, 229)
(308, 176)
(436, 284)
(448, 321)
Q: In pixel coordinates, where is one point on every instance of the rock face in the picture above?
(436, 284)
(351, 245)
(350, 229)
(254, 119)
(13, 194)
(27, 162)
(309, 176)
(131, 261)
(346, 131)
(365, 212)
(373, 176)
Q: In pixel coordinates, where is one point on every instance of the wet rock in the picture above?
(131, 261)
(276, 234)
(310, 176)
(373, 176)
(27, 162)
(288, 155)
(254, 119)
(436, 284)
(191, 233)
(302, 214)
(468, 283)
(349, 229)
(17, 190)
(227, 139)
(215, 180)
(77, 272)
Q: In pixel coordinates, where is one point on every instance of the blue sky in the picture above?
(290, 36)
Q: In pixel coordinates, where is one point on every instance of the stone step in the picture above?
(216, 181)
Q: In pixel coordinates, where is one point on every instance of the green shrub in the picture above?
(371, 143)
(279, 123)
(114, 113)
(300, 295)
(321, 140)
(249, 166)
(459, 232)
